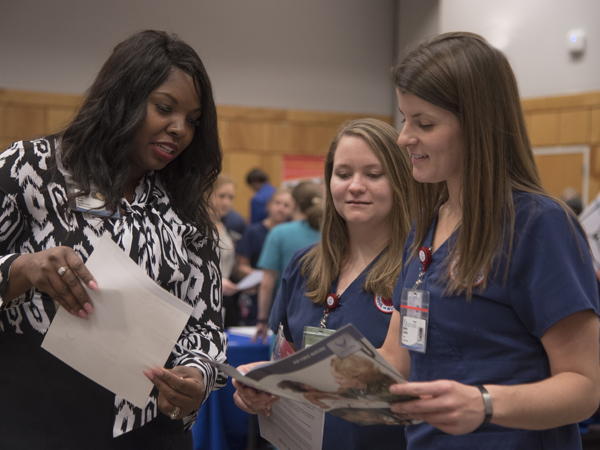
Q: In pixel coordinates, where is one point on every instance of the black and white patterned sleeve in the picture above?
(12, 222)
(204, 331)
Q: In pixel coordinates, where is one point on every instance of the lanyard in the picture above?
(332, 302)
(425, 259)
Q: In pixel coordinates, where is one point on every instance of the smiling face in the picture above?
(433, 137)
(280, 207)
(361, 192)
(222, 199)
(172, 115)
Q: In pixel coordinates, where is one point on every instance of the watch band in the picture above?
(487, 402)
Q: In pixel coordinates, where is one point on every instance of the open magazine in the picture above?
(343, 374)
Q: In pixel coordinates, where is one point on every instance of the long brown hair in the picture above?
(463, 74)
(323, 263)
(309, 199)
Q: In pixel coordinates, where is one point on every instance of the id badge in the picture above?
(414, 313)
(313, 335)
(93, 203)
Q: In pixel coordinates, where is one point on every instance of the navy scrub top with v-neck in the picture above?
(495, 337)
(295, 311)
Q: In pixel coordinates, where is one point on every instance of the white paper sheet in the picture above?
(293, 426)
(254, 278)
(133, 328)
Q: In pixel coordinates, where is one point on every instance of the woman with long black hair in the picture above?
(135, 164)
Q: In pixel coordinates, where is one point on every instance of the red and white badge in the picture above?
(384, 304)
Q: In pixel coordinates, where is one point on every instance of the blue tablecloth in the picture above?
(221, 425)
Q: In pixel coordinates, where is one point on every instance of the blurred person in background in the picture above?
(280, 208)
(573, 200)
(282, 242)
(258, 180)
(221, 201)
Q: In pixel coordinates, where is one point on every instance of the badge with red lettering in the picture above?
(384, 304)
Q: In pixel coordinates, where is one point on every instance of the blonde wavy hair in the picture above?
(324, 262)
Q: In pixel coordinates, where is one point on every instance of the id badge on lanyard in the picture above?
(414, 310)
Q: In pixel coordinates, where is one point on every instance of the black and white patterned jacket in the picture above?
(34, 216)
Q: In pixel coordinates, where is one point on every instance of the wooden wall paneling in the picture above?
(30, 98)
(594, 172)
(544, 128)
(247, 135)
(272, 164)
(278, 137)
(528, 124)
(2, 126)
(223, 125)
(57, 119)
(560, 171)
(586, 99)
(575, 125)
(312, 139)
(5, 143)
(24, 122)
(595, 126)
(238, 163)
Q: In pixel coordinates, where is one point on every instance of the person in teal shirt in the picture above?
(281, 244)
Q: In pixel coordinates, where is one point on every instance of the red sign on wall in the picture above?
(302, 167)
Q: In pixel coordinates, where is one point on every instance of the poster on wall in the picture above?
(297, 168)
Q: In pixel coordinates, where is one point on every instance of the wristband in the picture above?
(261, 320)
(487, 402)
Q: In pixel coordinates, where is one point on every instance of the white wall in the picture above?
(332, 55)
(532, 34)
(416, 20)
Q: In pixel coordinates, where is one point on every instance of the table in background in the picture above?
(221, 425)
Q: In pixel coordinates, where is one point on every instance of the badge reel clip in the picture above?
(414, 309)
(312, 335)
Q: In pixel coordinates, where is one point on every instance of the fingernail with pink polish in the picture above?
(158, 372)
(93, 285)
(89, 308)
(83, 314)
(149, 375)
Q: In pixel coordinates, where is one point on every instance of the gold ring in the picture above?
(173, 415)
(62, 270)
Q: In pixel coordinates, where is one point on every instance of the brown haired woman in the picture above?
(510, 354)
(366, 220)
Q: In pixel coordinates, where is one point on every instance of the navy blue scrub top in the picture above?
(252, 242)
(295, 311)
(495, 337)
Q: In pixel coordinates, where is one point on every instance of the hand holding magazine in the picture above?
(343, 374)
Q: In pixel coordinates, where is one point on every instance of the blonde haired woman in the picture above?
(366, 220)
(221, 201)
